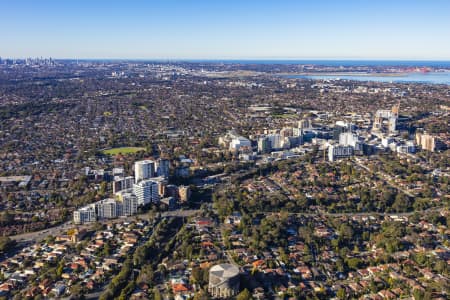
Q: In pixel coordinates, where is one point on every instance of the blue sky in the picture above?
(231, 29)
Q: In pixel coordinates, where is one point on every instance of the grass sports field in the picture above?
(122, 150)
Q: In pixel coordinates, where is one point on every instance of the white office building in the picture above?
(350, 139)
(339, 151)
(386, 141)
(276, 141)
(144, 169)
(239, 142)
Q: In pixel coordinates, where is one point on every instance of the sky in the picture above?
(226, 29)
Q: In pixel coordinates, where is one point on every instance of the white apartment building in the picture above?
(144, 169)
(146, 191)
(85, 215)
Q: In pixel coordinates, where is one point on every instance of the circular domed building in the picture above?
(223, 281)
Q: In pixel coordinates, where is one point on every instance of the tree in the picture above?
(346, 231)
(283, 255)
(106, 250)
(441, 267)
(341, 293)
(340, 265)
(146, 274)
(373, 286)
(107, 294)
(6, 218)
(6, 244)
(418, 294)
(401, 203)
(189, 251)
(77, 292)
(354, 263)
(156, 294)
(244, 295)
(127, 290)
(60, 268)
(103, 187)
(139, 255)
(50, 239)
(201, 295)
(197, 275)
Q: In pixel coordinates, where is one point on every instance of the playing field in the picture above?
(122, 150)
(284, 116)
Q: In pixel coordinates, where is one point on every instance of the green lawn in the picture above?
(284, 116)
(122, 150)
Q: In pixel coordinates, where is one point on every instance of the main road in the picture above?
(38, 236)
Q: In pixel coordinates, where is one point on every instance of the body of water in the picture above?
(431, 77)
(332, 63)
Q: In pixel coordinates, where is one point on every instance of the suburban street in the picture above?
(384, 176)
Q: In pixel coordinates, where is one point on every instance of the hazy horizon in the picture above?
(187, 59)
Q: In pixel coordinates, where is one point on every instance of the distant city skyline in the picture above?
(189, 30)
